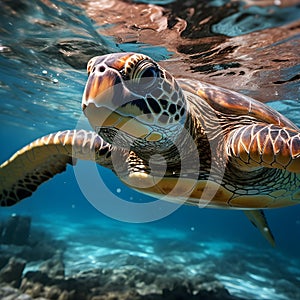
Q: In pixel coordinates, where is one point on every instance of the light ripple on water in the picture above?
(59, 38)
(249, 289)
(288, 109)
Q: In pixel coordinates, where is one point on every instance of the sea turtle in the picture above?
(179, 138)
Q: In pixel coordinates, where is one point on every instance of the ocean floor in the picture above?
(105, 261)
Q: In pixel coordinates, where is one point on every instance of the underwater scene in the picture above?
(84, 234)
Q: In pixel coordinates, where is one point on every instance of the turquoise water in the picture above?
(43, 50)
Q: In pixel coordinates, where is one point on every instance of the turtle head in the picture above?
(130, 95)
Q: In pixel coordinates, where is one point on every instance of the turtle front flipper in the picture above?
(46, 157)
(265, 145)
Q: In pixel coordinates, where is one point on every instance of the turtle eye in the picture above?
(145, 74)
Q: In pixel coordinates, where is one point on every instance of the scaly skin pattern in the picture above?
(45, 157)
(262, 161)
(269, 146)
(216, 146)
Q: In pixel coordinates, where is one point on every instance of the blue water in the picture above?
(42, 79)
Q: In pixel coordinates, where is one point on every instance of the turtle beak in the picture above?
(106, 95)
(97, 99)
(103, 87)
(99, 90)
(102, 98)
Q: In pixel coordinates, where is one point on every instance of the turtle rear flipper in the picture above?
(258, 219)
(45, 157)
(265, 145)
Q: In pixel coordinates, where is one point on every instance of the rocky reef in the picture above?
(102, 260)
(32, 267)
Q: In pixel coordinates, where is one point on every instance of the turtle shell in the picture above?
(233, 103)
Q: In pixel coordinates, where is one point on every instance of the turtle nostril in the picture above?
(102, 69)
